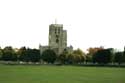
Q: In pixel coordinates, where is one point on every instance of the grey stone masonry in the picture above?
(57, 39)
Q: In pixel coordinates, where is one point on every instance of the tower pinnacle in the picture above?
(55, 21)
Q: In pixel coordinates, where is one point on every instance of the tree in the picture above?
(9, 54)
(102, 56)
(72, 58)
(63, 58)
(29, 55)
(49, 56)
(88, 58)
(1, 53)
(78, 56)
(81, 56)
(123, 58)
(33, 55)
(22, 53)
(118, 57)
(91, 52)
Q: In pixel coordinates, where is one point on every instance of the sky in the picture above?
(89, 23)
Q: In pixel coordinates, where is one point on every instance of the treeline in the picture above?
(22, 54)
(94, 56)
(105, 56)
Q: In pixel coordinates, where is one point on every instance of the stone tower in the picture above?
(57, 40)
(57, 37)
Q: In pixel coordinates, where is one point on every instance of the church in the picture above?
(57, 40)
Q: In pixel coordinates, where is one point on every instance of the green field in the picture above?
(60, 74)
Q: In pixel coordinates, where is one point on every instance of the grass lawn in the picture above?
(60, 74)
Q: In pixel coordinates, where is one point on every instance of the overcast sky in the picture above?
(89, 23)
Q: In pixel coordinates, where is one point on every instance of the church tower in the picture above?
(57, 37)
(57, 40)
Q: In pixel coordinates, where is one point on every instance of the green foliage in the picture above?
(23, 54)
(118, 57)
(49, 56)
(79, 52)
(88, 58)
(78, 56)
(1, 53)
(123, 58)
(102, 56)
(29, 55)
(97, 55)
(73, 58)
(81, 55)
(34, 55)
(9, 54)
(63, 58)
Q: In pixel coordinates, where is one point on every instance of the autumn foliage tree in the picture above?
(91, 52)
